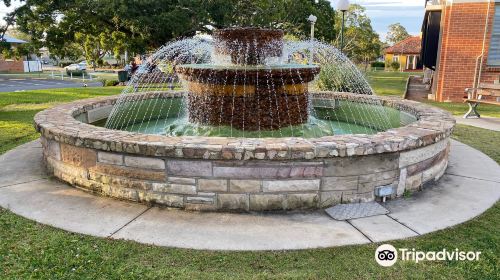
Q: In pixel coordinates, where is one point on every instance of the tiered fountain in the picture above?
(247, 133)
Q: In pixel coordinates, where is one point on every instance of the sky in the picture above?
(409, 13)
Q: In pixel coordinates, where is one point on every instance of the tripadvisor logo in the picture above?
(387, 255)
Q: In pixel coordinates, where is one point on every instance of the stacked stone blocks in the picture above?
(244, 186)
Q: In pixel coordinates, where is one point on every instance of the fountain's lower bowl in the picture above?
(243, 174)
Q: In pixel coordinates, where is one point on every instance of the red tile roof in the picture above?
(410, 45)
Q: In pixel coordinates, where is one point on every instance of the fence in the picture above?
(32, 66)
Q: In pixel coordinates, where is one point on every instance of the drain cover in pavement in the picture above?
(343, 212)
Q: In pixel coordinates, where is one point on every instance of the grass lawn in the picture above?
(32, 250)
(17, 110)
(394, 83)
(388, 83)
(32, 75)
(459, 109)
(47, 74)
(105, 75)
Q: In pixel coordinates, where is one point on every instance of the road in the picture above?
(7, 85)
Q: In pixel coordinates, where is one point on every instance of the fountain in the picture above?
(260, 124)
(249, 82)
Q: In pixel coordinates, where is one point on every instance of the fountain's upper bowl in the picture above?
(249, 45)
(248, 74)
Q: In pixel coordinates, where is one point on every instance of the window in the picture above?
(410, 62)
(395, 58)
(494, 51)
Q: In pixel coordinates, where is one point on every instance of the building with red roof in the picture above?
(406, 53)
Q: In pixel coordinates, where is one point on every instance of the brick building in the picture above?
(460, 45)
(29, 63)
(11, 65)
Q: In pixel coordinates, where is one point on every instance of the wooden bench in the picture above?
(475, 96)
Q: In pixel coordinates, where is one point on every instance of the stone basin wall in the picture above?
(231, 174)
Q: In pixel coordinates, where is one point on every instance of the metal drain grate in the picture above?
(343, 212)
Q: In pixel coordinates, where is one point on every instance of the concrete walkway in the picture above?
(483, 122)
(470, 186)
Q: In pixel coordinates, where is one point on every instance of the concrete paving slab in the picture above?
(30, 168)
(231, 231)
(483, 122)
(53, 203)
(31, 145)
(452, 201)
(382, 228)
(469, 162)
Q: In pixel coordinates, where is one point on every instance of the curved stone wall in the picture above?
(231, 174)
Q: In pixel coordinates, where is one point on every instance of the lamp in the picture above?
(343, 6)
(312, 19)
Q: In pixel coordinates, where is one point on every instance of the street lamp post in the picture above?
(312, 19)
(343, 6)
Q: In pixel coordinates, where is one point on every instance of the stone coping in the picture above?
(59, 124)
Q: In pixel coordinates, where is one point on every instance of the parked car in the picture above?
(83, 65)
(74, 67)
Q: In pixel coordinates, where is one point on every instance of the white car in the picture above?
(83, 65)
(75, 67)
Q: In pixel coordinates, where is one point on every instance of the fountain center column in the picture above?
(248, 92)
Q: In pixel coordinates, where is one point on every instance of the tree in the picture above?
(396, 33)
(362, 43)
(141, 25)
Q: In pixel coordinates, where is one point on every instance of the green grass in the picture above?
(486, 141)
(17, 110)
(33, 75)
(31, 250)
(105, 75)
(394, 84)
(388, 83)
(459, 109)
(47, 74)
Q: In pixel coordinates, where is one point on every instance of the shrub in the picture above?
(109, 83)
(76, 73)
(395, 65)
(378, 64)
(333, 77)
